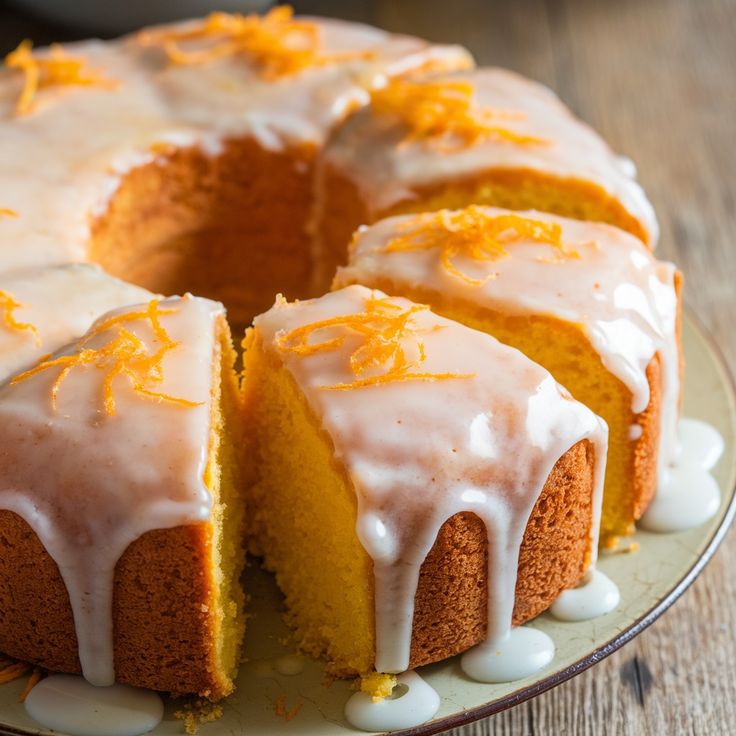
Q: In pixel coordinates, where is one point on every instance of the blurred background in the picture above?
(657, 78)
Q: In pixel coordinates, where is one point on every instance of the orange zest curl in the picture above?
(277, 43)
(11, 670)
(124, 355)
(279, 709)
(8, 305)
(7, 212)
(385, 327)
(443, 113)
(476, 234)
(56, 69)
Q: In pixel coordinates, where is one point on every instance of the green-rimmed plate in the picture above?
(650, 581)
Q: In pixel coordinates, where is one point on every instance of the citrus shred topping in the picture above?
(53, 70)
(11, 670)
(386, 328)
(7, 212)
(7, 306)
(125, 354)
(443, 112)
(276, 42)
(476, 234)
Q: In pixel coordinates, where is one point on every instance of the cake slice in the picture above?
(120, 517)
(43, 309)
(420, 486)
(479, 137)
(587, 301)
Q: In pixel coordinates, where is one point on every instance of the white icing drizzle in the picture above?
(370, 150)
(687, 495)
(596, 596)
(418, 452)
(70, 705)
(61, 302)
(621, 296)
(415, 702)
(521, 652)
(144, 466)
(55, 174)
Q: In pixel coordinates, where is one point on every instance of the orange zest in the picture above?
(7, 306)
(279, 709)
(476, 234)
(33, 680)
(443, 112)
(277, 43)
(7, 212)
(10, 670)
(124, 355)
(385, 327)
(55, 69)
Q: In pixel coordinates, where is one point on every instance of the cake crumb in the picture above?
(377, 685)
(196, 713)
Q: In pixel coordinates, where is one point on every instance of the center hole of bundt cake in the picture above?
(230, 226)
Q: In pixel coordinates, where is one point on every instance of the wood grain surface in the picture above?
(658, 79)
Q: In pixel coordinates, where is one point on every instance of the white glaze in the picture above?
(596, 596)
(417, 704)
(688, 495)
(418, 452)
(55, 174)
(290, 665)
(70, 705)
(61, 302)
(521, 652)
(370, 150)
(144, 466)
(621, 296)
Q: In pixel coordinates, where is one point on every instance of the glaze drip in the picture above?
(418, 452)
(144, 465)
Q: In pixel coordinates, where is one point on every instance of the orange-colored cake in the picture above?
(587, 301)
(140, 417)
(486, 137)
(386, 442)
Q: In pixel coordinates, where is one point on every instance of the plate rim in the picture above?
(472, 715)
(493, 707)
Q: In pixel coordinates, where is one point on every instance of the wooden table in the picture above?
(658, 80)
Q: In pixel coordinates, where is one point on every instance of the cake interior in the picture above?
(230, 226)
(343, 209)
(223, 478)
(302, 520)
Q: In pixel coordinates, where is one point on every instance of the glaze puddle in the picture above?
(69, 704)
(596, 596)
(413, 702)
(688, 495)
(522, 652)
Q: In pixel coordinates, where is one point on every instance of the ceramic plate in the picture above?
(650, 581)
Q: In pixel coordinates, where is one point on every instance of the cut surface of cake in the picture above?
(487, 136)
(199, 171)
(586, 300)
(420, 487)
(120, 517)
(43, 309)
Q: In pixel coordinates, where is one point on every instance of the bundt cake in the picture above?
(585, 300)
(233, 157)
(486, 137)
(181, 158)
(120, 512)
(391, 448)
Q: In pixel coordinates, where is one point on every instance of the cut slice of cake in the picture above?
(479, 137)
(587, 301)
(43, 309)
(120, 516)
(420, 486)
